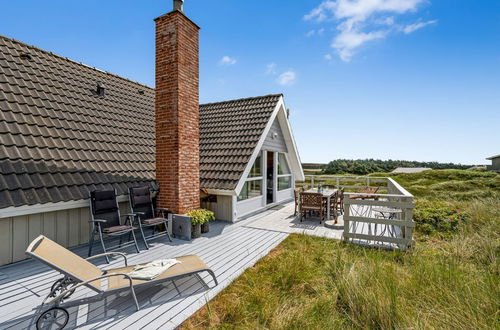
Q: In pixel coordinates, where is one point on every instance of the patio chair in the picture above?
(106, 220)
(312, 202)
(147, 216)
(78, 272)
(368, 190)
(340, 201)
(296, 196)
(334, 201)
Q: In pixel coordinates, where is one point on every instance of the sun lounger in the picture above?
(80, 272)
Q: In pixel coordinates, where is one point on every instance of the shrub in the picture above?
(200, 216)
(438, 218)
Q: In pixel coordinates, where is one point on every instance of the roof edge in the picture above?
(73, 61)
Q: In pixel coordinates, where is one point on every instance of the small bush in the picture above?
(200, 216)
(438, 218)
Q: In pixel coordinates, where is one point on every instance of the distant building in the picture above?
(411, 169)
(495, 163)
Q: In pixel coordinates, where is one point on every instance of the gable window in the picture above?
(253, 184)
(284, 173)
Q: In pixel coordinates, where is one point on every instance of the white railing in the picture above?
(384, 218)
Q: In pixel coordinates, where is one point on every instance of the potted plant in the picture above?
(199, 221)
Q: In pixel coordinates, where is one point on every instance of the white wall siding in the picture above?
(284, 195)
(223, 209)
(67, 227)
(275, 141)
(250, 206)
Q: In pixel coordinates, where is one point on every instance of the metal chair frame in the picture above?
(162, 212)
(97, 229)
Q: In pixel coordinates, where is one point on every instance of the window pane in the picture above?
(251, 189)
(284, 183)
(283, 165)
(256, 169)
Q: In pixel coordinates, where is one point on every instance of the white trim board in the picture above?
(294, 161)
(49, 207)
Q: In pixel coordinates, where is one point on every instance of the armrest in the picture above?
(109, 253)
(130, 214)
(140, 213)
(98, 220)
(162, 209)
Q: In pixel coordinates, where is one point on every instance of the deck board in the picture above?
(229, 249)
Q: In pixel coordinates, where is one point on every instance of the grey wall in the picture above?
(495, 164)
(66, 227)
(277, 143)
(223, 209)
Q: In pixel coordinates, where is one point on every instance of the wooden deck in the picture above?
(228, 249)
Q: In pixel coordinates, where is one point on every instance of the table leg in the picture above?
(328, 208)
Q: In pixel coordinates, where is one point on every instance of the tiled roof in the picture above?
(229, 132)
(59, 139)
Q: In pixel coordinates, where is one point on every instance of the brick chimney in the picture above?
(177, 111)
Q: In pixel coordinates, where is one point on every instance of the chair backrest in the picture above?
(296, 194)
(103, 205)
(63, 260)
(140, 201)
(334, 199)
(370, 190)
(310, 199)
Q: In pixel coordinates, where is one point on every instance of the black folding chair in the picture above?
(106, 220)
(147, 216)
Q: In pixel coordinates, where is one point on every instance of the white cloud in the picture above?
(328, 57)
(385, 21)
(310, 33)
(416, 26)
(287, 78)
(226, 60)
(361, 21)
(347, 42)
(271, 68)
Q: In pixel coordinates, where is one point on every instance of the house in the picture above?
(411, 169)
(67, 129)
(495, 163)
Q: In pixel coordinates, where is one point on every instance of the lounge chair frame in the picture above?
(57, 301)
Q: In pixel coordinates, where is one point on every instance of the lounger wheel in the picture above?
(61, 285)
(53, 319)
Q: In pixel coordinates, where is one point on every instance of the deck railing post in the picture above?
(347, 214)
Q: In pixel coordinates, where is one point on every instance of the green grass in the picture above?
(451, 280)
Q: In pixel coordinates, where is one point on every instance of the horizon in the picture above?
(421, 72)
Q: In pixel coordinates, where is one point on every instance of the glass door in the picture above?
(270, 178)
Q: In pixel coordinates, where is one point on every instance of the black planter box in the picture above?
(205, 228)
(181, 227)
(195, 231)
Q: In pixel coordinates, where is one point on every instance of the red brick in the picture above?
(177, 112)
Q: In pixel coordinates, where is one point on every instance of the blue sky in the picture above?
(399, 79)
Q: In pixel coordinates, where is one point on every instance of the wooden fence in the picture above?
(363, 220)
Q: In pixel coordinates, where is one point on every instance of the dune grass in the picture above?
(451, 280)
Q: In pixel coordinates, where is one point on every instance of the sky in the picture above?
(384, 79)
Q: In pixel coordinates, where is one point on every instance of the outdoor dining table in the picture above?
(388, 213)
(327, 194)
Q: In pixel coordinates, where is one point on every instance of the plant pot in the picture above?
(205, 228)
(195, 231)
